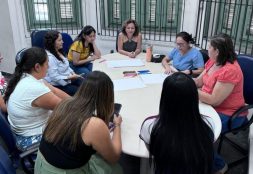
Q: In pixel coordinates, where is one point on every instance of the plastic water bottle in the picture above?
(149, 51)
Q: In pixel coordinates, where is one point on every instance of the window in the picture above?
(251, 26)
(229, 14)
(53, 13)
(150, 14)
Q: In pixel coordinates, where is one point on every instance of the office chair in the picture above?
(67, 42)
(26, 157)
(6, 166)
(204, 55)
(246, 64)
(37, 38)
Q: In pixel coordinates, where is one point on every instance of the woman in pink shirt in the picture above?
(221, 83)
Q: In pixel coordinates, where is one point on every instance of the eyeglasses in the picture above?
(180, 44)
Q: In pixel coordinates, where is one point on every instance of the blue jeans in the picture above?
(24, 142)
(85, 68)
(238, 121)
(71, 88)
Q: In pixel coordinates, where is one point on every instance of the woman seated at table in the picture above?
(180, 140)
(59, 73)
(29, 99)
(130, 39)
(185, 58)
(221, 82)
(78, 128)
(83, 51)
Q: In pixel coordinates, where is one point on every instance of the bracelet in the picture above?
(116, 125)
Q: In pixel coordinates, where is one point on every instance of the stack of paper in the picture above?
(126, 84)
(153, 78)
(124, 63)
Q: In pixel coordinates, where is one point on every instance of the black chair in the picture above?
(246, 64)
(6, 166)
(25, 157)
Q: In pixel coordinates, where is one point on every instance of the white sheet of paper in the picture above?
(124, 63)
(126, 84)
(153, 78)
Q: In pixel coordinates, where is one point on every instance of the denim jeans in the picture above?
(85, 68)
(238, 121)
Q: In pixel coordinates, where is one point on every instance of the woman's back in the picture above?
(180, 140)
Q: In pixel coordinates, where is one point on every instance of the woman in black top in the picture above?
(78, 128)
(130, 40)
(179, 140)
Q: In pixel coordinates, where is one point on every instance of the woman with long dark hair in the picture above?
(59, 73)
(83, 51)
(78, 128)
(29, 99)
(179, 138)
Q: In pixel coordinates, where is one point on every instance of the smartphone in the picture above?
(117, 108)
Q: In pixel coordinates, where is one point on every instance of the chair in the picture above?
(204, 55)
(37, 39)
(117, 37)
(26, 157)
(246, 64)
(6, 166)
(67, 42)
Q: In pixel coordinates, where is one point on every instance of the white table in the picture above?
(137, 104)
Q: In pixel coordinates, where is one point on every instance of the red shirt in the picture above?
(229, 73)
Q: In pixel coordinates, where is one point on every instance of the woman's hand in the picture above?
(74, 76)
(131, 54)
(117, 120)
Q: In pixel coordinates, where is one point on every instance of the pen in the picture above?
(102, 60)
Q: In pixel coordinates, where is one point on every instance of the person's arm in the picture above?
(199, 79)
(2, 104)
(193, 72)
(57, 92)
(54, 73)
(220, 92)
(77, 61)
(97, 53)
(96, 134)
(139, 44)
(120, 47)
(47, 101)
(166, 66)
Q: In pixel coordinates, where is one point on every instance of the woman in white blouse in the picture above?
(59, 73)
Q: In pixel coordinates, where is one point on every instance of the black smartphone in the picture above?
(117, 108)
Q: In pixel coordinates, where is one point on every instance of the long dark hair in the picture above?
(49, 42)
(224, 44)
(95, 97)
(129, 21)
(87, 30)
(180, 141)
(29, 59)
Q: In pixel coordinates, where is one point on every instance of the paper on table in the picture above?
(153, 78)
(126, 84)
(124, 63)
